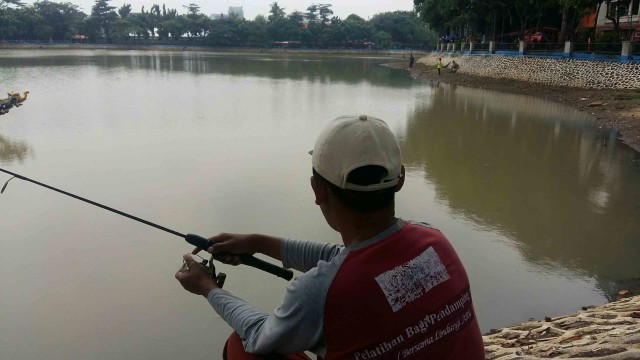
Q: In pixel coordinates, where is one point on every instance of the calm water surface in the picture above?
(542, 206)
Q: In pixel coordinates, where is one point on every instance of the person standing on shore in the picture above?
(411, 60)
(439, 65)
(394, 289)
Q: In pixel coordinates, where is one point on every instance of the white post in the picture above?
(523, 47)
(568, 48)
(626, 50)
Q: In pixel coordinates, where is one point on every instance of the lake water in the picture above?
(542, 206)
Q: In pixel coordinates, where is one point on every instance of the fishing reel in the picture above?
(211, 270)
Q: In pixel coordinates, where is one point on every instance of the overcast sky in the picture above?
(252, 8)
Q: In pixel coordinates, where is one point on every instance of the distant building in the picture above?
(628, 13)
(234, 12)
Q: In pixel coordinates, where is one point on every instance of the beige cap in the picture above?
(348, 143)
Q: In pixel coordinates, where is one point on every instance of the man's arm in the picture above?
(294, 326)
(296, 254)
(305, 255)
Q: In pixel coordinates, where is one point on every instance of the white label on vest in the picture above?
(409, 281)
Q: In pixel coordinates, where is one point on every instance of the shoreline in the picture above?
(611, 108)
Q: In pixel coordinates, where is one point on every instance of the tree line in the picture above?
(495, 18)
(62, 22)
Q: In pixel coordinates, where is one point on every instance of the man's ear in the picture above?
(320, 190)
(401, 180)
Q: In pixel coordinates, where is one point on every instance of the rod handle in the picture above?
(246, 259)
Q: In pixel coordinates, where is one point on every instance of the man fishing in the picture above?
(393, 290)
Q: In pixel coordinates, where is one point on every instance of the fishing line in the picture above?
(192, 239)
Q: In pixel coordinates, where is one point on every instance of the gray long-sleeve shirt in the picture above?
(296, 325)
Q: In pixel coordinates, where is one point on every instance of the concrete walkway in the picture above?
(610, 331)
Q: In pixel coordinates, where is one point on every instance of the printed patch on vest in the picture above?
(407, 282)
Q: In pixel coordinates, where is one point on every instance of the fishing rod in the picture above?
(192, 239)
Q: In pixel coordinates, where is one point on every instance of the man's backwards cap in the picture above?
(348, 143)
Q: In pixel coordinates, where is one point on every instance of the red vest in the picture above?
(405, 297)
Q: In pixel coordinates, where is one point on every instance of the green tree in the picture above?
(138, 24)
(404, 27)
(528, 13)
(28, 24)
(254, 32)
(277, 23)
(312, 13)
(225, 32)
(335, 34)
(9, 23)
(498, 17)
(171, 25)
(436, 12)
(198, 24)
(152, 19)
(319, 12)
(296, 17)
(276, 13)
(61, 20)
(312, 34)
(102, 19)
(124, 11)
(294, 27)
(357, 29)
(325, 12)
(383, 40)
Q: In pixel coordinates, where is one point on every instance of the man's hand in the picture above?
(226, 245)
(194, 277)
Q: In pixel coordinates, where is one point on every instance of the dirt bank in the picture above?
(618, 109)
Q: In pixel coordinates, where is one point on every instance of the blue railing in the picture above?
(586, 51)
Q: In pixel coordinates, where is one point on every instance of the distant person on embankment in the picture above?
(439, 65)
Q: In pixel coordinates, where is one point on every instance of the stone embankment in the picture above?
(586, 74)
(607, 332)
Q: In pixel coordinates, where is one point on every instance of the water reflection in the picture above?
(562, 190)
(319, 68)
(13, 150)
